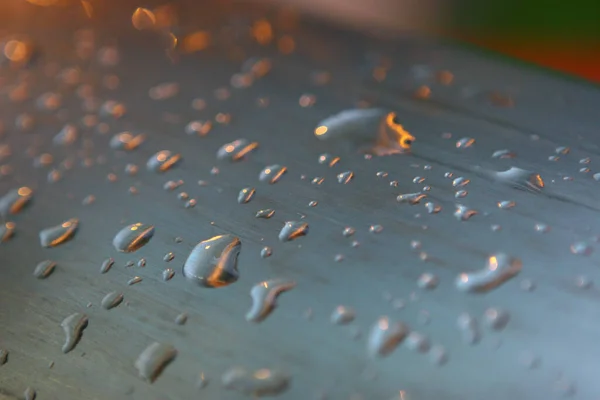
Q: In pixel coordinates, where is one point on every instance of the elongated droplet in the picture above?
(293, 230)
(411, 198)
(506, 204)
(266, 213)
(345, 177)
(127, 141)
(469, 329)
(504, 153)
(433, 208)
(428, 281)
(266, 252)
(67, 136)
(264, 297)
(342, 315)
(7, 231)
(168, 274)
(181, 319)
(213, 262)
(465, 143)
(272, 173)
(15, 200)
(515, 177)
(133, 237)
(372, 130)
(44, 269)
(496, 318)
(57, 235)
(73, 327)
(111, 300)
(260, 383)
(3, 356)
(500, 268)
(246, 195)
(460, 182)
(154, 359)
(385, 336)
(236, 150)
(162, 161)
(581, 249)
(463, 213)
(106, 265)
(134, 280)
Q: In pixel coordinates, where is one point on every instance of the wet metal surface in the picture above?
(389, 263)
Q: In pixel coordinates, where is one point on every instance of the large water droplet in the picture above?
(15, 200)
(264, 297)
(500, 268)
(162, 161)
(385, 336)
(213, 262)
(293, 230)
(272, 173)
(73, 327)
(154, 359)
(236, 150)
(260, 383)
(133, 237)
(59, 234)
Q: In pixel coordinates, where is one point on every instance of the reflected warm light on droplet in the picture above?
(196, 41)
(9, 225)
(493, 263)
(229, 148)
(321, 130)
(464, 278)
(262, 374)
(262, 32)
(172, 40)
(143, 18)
(384, 324)
(15, 50)
(24, 191)
(423, 92)
(445, 77)
(539, 181)
(286, 44)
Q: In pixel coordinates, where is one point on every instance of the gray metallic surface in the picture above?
(557, 322)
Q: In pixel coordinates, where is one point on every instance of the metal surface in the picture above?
(557, 322)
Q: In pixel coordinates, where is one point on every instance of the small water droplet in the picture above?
(126, 141)
(44, 269)
(385, 336)
(59, 234)
(460, 182)
(162, 161)
(29, 394)
(338, 258)
(202, 381)
(375, 229)
(293, 230)
(381, 174)
(236, 150)
(469, 329)
(134, 280)
(463, 213)
(260, 383)
(581, 248)
(348, 231)
(448, 175)
(433, 208)
(266, 252)
(67, 136)
(183, 196)
(418, 342)
(411, 198)
(181, 319)
(246, 195)
(266, 213)
(191, 203)
(154, 359)
(496, 318)
(342, 315)
(465, 143)
(15, 201)
(168, 257)
(503, 154)
(428, 281)
(500, 268)
(264, 297)
(317, 180)
(212, 263)
(73, 327)
(7, 231)
(313, 203)
(583, 282)
(133, 237)
(328, 159)
(131, 169)
(141, 262)
(111, 300)
(200, 128)
(542, 228)
(272, 173)
(167, 274)
(527, 285)
(562, 150)
(506, 204)
(106, 265)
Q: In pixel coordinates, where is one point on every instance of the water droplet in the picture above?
(200, 128)
(581, 248)
(202, 381)
(266, 252)
(272, 173)
(111, 177)
(500, 268)
(164, 91)
(88, 200)
(385, 336)
(29, 394)
(73, 327)
(381, 174)
(463, 213)
(191, 203)
(585, 160)
(345, 177)
(212, 263)
(376, 128)
(54, 176)
(542, 228)
(338, 258)
(496, 318)
(106, 265)
(7, 231)
(264, 298)
(562, 150)
(142, 18)
(141, 262)
(59, 234)
(293, 230)
(154, 359)
(112, 300)
(67, 136)
(3, 356)
(246, 195)
(131, 169)
(181, 319)
(328, 159)
(438, 355)
(44, 269)
(342, 315)
(162, 161)
(127, 141)
(583, 282)
(266, 213)
(394, 183)
(134, 280)
(418, 342)
(411, 198)
(517, 178)
(260, 383)
(506, 204)
(313, 203)
(433, 208)
(460, 182)
(172, 185)
(375, 229)
(469, 329)
(428, 281)
(133, 237)
(236, 150)
(167, 274)
(15, 201)
(553, 158)
(503, 154)
(168, 257)
(465, 143)
(183, 196)
(348, 231)
(317, 180)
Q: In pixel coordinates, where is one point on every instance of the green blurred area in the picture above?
(533, 19)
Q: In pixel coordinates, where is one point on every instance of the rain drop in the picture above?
(59, 234)
(500, 268)
(264, 298)
(385, 336)
(212, 263)
(246, 195)
(162, 161)
(133, 237)
(154, 359)
(272, 173)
